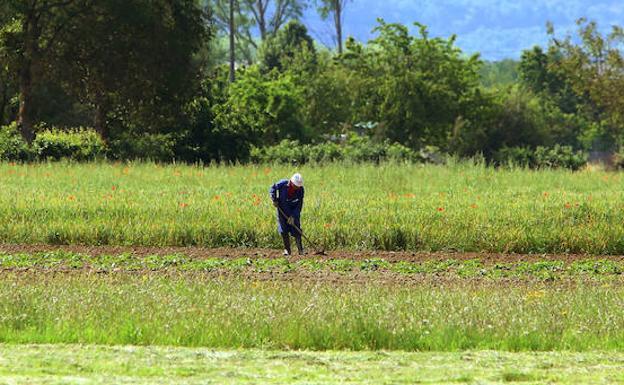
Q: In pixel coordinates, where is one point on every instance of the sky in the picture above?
(497, 29)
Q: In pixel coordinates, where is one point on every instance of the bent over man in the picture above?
(287, 196)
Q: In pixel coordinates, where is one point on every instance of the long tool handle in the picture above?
(297, 228)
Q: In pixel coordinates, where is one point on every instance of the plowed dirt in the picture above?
(202, 253)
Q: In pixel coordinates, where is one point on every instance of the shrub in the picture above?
(156, 147)
(324, 152)
(77, 144)
(514, 156)
(559, 157)
(618, 158)
(542, 157)
(355, 149)
(12, 146)
(362, 149)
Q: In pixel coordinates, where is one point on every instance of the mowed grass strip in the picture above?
(461, 207)
(78, 364)
(198, 310)
(547, 270)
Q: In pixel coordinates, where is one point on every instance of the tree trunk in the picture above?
(338, 22)
(99, 121)
(232, 47)
(3, 104)
(28, 60)
(24, 117)
(262, 20)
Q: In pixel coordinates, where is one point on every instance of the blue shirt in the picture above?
(291, 207)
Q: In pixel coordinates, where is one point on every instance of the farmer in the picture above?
(287, 197)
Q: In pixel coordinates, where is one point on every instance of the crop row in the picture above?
(474, 268)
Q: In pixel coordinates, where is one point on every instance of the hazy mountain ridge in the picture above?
(497, 29)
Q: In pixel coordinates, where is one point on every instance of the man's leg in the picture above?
(299, 243)
(286, 239)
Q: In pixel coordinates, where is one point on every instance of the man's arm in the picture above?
(273, 194)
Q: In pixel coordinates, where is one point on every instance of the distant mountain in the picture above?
(496, 28)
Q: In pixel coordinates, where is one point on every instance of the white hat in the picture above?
(297, 180)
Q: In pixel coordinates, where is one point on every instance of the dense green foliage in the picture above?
(173, 92)
(389, 206)
(354, 150)
(542, 157)
(78, 145)
(499, 74)
(12, 146)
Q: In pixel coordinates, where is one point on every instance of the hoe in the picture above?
(317, 250)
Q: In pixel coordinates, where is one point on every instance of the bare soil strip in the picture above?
(391, 256)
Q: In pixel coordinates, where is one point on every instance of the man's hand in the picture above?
(291, 220)
(275, 203)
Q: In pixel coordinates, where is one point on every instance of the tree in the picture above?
(335, 9)
(221, 16)
(291, 41)
(416, 88)
(258, 111)
(499, 73)
(326, 88)
(593, 67)
(7, 89)
(232, 45)
(30, 32)
(132, 60)
(255, 20)
(537, 72)
(269, 23)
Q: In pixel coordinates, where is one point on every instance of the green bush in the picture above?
(618, 158)
(287, 152)
(559, 157)
(514, 156)
(355, 149)
(156, 147)
(542, 157)
(12, 146)
(79, 144)
(324, 152)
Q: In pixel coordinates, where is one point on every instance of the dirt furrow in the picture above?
(202, 253)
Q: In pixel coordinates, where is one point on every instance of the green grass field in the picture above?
(76, 364)
(194, 309)
(389, 207)
(174, 318)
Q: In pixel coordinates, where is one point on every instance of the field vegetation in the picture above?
(461, 207)
(406, 144)
(194, 309)
(79, 364)
(542, 270)
(535, 302)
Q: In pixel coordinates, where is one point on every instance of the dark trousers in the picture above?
(286, 239)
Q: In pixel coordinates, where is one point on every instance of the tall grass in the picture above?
(230, 313)
(458, 207)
